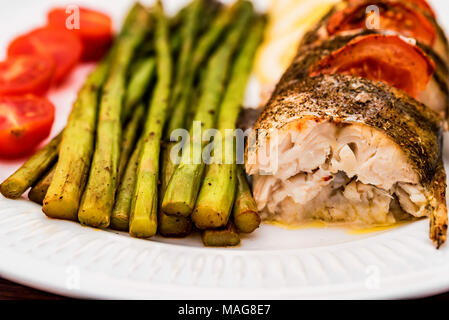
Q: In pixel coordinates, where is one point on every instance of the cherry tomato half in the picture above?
(60, 45)
(95, 29)
(25, 74)
(25, 121)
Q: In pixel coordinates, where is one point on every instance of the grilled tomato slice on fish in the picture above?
(386, 58)
(422, 5)
(393, 16)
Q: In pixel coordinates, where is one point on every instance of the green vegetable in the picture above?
(173, 226)
(122, 206)
(245, 213)
(143, 215)
(138, 85)
(38, 191)
(130, 137)
(169, 226)
(216, 198)
(212, 36)
(76, 149)
(224, 237)
(31, 170)
(183, 68)
(182, 190)
(99, 195)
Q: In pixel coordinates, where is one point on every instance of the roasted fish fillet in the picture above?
(346, 149)
(412, 67)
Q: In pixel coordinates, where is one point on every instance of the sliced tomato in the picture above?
(423, 5)
(25, 74)
(24, 122)
(394, 16)
(386, 58)
(95, 29)
(60, 45)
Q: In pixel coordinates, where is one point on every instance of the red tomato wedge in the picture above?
(394, 16)
(423, 5)
(95, 29)
(60, 45)
(25, 74)
(386, 58)
(24, 122)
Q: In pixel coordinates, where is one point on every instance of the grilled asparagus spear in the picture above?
(205, 44)
(122, 206)
(173, 226)
(39, 190)
(188, 33)
(216, 197)
(130, 136)
(224, 237)
(98, 198)
(201, 52)
(216, 30)
(64, 193)
(120, 213)
(245, 213)
(182, 190)
(143, 215)
(138, 84)
(169, 226)
(31, 170)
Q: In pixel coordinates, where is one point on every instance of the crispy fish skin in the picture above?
(439, 219)
(343, 99)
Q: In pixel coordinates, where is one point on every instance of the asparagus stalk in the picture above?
(31, 170)
(245, 213)
(143, 215)
(98, 198)
(224, 237)
(202, 50)
(77, 144)
(216, 30)
(38, 191)
(188, 34)
(173, 226)
(168, 226)
(182, 190)
(130, 136)
(122, 206)
(138, 84)
(216, 197)
(180, 110)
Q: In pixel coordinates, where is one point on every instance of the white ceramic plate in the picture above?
(65, 258)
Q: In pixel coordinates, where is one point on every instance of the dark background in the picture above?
(13, 291)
